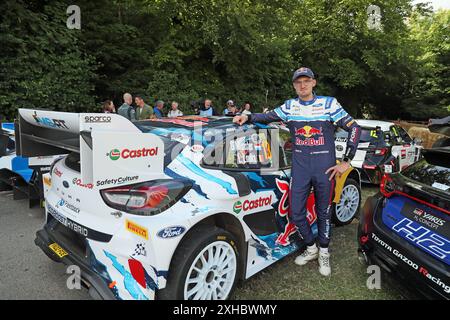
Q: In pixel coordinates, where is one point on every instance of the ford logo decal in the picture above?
(65, 184)
(171, 232)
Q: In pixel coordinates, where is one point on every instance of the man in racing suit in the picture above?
(311, 121)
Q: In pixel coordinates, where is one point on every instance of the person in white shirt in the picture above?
(246, 109)
(174, 112)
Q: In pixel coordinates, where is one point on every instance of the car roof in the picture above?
(192, 122)
(384, 125)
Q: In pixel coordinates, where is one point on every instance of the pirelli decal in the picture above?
(137, 229)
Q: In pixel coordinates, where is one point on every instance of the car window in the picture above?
(403, 134)
(433, 175)
(371, 135)
(242, 151)
(395, 135)
(285, 140)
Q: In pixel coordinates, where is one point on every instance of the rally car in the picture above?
(384, 148)
(168, 208)
(21, 175)
(405, 229)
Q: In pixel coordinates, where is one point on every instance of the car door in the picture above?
(403, 148)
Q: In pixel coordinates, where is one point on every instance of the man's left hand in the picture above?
(338, 169)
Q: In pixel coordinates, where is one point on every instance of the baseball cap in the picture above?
(303, 71)
(230, 102)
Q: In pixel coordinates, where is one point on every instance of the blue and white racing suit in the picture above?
(311, 124)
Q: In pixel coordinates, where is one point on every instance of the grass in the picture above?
(286, 281)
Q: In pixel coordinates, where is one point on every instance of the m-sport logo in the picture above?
(116, 154)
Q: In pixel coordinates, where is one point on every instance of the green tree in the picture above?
(429, 92)
(41, 63)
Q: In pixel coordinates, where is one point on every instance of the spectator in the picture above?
(175, 112)
(231, 109)
(126, 110)
(158, 109)
(246, 108)
(108, 107)
(143, 110)
(207, 109)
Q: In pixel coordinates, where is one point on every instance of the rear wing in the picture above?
(113, 151)
(7, 143)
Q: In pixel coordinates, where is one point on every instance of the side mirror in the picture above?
(417, 141)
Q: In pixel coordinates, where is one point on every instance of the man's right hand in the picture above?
(240, 120)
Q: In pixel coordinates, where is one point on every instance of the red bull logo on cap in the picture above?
(309, 136)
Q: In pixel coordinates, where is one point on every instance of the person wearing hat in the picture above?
(311, 120)
(230, 109)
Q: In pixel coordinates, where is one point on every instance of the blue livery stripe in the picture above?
(317, 118)
(328, 102)
(199, 171)
(280, 113)
(340, 116)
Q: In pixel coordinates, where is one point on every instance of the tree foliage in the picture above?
(41, 63)
(245, 50)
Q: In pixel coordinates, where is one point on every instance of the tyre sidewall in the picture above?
(188, 251)
(335, 219)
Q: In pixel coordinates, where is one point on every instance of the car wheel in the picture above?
(348, 208)
(204, 267)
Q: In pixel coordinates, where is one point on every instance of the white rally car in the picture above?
(168, 208)
(384, 147)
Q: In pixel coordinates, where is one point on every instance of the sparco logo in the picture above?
(97, 119)
(116, 154)
(252, 204)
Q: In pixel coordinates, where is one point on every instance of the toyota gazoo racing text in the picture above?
(384, 147)
(168, 208)
(405, 229)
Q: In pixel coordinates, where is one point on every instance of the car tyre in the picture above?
(205, 244)
(348, 208)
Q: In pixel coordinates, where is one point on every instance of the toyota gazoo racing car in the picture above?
(405, 229)
(384, 147)
(168, 208)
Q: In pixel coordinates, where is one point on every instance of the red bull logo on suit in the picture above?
(309, 136)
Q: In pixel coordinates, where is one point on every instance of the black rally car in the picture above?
(405, 228)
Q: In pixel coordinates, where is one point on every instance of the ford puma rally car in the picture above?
(405, 229)
(168, 208)
(384, 147)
